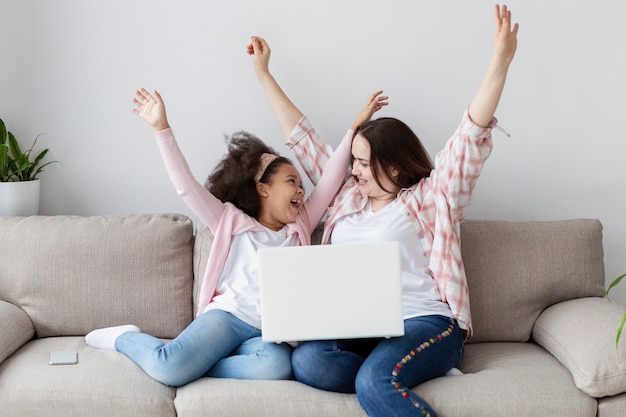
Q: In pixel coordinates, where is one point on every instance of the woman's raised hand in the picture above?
(505, 41)
(260, 51)
(486, 99)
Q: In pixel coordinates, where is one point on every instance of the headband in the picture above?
(264, 161)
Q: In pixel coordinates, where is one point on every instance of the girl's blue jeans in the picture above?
(383, 371)
(215, 344)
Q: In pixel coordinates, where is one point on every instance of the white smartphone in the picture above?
(63, 357)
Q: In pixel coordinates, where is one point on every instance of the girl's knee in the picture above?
(257, 360)
(277, 360)
(170, 376)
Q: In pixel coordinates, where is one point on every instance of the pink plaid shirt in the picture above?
(435, 205)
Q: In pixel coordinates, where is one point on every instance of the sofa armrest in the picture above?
(16, 329)
(580, 333)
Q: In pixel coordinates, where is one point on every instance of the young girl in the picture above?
(396, 193)
(254, 198)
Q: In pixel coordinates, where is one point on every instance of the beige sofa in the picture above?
(543, 343)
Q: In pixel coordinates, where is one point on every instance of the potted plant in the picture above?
(19, 185)
(622, 323)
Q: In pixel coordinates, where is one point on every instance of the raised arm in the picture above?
(310, 150)
(286, 113)
(284, 109)
(485, 102)
(205, 205)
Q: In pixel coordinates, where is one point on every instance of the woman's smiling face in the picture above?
(362, 171)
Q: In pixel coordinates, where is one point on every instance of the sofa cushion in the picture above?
(612, 406)
(515, 270)
(104, 383)
(500, 379)
(73, 274)
(262, 399)
(579, 334)
(508, 379)
(15, 328)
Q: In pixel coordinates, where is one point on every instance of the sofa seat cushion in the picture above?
(508, 379)
(500, 379)
(231, 397)
(612, 406)
(104, 383)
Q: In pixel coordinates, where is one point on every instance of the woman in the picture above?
(396, 193)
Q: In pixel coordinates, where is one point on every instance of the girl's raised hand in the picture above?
(375, 102)
(150, 108)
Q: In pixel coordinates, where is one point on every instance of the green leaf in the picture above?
(3, 133)
(6, 161)
(15, 147)
(620, 328)
(34, 177)
(614, 283)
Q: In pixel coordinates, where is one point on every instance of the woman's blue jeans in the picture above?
(215, 344)
(383, 371)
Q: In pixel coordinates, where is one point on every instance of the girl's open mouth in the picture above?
(296, 202)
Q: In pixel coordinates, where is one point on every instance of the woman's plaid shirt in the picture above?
(435, 205)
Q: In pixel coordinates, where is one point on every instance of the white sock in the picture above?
(454, 372)
(105, 338)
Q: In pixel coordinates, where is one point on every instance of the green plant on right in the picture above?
(622, 323)
(16, 165)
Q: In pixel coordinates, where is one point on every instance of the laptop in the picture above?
(331, 292)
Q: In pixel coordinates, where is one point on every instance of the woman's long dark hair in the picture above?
(232, 180)
(394, 145)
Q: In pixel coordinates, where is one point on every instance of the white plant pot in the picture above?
(19, 198)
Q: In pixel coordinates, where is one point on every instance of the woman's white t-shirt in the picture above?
(420, 294)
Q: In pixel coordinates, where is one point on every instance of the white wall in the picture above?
(69, 68)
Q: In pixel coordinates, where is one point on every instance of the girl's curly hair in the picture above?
(232, 180)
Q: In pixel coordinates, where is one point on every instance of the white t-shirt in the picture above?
(238, 286)
(420, 294)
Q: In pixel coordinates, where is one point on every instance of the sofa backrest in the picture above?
(515, 270)
(73, 274)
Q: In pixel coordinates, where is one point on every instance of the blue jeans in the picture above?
(382, 371)
(215, 344)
